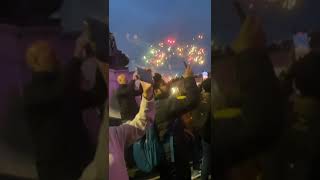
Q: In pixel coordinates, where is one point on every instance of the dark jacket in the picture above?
(126, 95)
(171, 108)
(201, 117)
(260, 123)
(54, 104)
(297, 154)
(206, 130)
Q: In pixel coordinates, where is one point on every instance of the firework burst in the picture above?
(163, 52)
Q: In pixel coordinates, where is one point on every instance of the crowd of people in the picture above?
(264, 126)
(179, 121)
(154, 120)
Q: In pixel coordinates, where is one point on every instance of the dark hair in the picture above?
(306, 74)
(157, 78)
(206, 85)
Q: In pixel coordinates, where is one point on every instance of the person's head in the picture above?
(206, 85)
(41, 57)
(122, 79)
(160, 86)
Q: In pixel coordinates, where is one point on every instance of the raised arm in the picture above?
(190, 100)
(131, 131)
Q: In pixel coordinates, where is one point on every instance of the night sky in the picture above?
(73, 12)
(279, 23)
(153, 21)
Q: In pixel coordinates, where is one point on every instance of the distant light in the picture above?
(174, 90)
(205, 75)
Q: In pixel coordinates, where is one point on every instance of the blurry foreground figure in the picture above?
(54, 102)
(249, 120)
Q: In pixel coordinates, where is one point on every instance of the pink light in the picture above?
(171, 41)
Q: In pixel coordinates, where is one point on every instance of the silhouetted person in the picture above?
(298, 154)
(54, 102)
(169, 108)
(126, 95)
(253, 123)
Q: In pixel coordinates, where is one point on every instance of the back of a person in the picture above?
(162, 118)
(260, 92)
(44, 109)
(76, 135)
(60, 137)
(261, 119)
(128, 105)
(43, 101)
(304, 132)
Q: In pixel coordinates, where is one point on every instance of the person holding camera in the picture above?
(121, 137)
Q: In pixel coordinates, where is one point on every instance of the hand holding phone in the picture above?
(145, 75)
(147, 90)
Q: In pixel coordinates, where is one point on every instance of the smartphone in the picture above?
(98, 35)
(145, 75)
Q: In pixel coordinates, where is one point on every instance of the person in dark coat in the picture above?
(53, 103)
(169, 108)
(297, 155)
(250, 121)
(126, 94)
(253, 124)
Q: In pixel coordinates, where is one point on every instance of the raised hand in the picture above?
(147, 90)
(188, 72)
